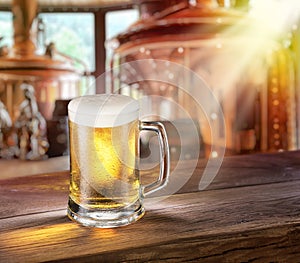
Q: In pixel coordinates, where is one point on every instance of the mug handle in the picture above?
(164, 157)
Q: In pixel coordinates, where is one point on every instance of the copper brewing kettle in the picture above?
(249, 71)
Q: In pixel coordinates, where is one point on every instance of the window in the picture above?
(79, 35)
(6, 28)
(117, 22)
(75, 36)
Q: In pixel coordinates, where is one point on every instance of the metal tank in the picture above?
(246, 67)
(52, 76)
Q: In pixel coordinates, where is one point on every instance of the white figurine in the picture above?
(31, 127)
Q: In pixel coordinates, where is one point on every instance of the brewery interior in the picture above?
(223, 76)
(247, 64)
(55, 51)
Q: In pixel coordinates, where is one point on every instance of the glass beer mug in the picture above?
(105, 187)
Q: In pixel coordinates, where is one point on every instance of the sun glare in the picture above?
(261, 33)
(277, 15)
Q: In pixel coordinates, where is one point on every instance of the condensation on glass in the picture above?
(250, 72)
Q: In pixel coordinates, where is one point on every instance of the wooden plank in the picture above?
(39, 193)
(49, 192)
(259, 223)
(246, 170)
(18, 168)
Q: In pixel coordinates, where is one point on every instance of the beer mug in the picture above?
(105, 186)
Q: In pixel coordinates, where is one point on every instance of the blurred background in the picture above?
(246, 52)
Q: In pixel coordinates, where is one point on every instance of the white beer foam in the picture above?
(103, 110)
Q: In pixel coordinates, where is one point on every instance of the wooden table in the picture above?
(251, 212)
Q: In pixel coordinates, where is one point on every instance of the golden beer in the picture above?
(105, 189)
(103, 161)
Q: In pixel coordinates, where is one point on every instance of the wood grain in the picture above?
(18, 168)
(33, 194)
(251, 212)
(239, 223)
(49, 191)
